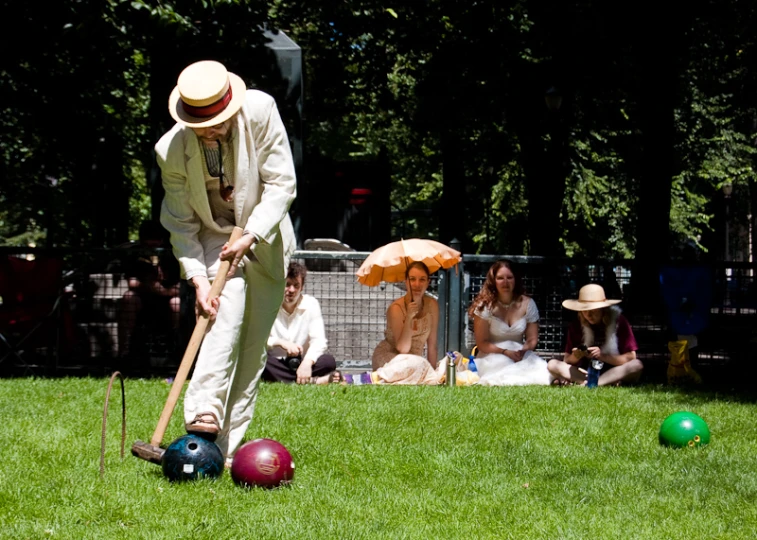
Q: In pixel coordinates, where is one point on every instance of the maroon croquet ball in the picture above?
(262, 463)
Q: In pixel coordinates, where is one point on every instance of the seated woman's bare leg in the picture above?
(628, 372)
(565, 372)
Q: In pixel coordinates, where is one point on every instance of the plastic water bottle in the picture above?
(592, 376)
(451, 371)
(472, 364)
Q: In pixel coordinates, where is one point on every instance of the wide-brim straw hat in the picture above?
(206, 94)
(590, 296)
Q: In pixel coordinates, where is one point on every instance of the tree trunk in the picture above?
(657, 60)
(545, 165)
(656, 122)
(451, 226)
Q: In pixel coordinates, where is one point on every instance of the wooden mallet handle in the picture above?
(194, 345)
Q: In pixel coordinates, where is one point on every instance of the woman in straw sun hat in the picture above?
(600, 332)
(226, 163)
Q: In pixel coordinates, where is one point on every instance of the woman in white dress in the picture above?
(506, 327)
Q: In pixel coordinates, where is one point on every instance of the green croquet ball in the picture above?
(684, 429)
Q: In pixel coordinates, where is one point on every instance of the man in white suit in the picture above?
(227, 162)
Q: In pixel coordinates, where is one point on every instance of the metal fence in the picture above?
(95, 289)
(548, 282)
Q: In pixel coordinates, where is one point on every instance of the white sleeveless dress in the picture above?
(499, 370)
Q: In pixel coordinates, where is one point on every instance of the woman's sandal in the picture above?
(205, 425)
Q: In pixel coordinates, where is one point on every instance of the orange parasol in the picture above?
(388, 263)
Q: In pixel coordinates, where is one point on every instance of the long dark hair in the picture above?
(488, 293)
(606, 317)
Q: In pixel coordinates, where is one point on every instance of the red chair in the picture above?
(34, 315)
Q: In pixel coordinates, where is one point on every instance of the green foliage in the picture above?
(83, 121)
(395, 81)
(599, 201)
(75, 125)
(500, 218)
(716, 152)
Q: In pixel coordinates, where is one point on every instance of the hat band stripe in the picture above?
(208, 110)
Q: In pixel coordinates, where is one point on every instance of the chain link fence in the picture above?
(100, 330)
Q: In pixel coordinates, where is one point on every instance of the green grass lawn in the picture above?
(387, 462)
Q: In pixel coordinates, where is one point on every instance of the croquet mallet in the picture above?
(152, 452)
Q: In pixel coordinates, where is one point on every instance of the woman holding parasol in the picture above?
(413, 319)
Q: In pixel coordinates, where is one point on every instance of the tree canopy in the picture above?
(648, 114)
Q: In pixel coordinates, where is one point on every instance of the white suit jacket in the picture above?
(264, 184)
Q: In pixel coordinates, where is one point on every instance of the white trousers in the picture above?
(233, 354)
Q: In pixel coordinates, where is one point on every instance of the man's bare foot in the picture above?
(333, 377)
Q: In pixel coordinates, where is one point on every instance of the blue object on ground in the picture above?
(472, 364)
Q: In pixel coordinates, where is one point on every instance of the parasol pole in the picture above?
(404, 255)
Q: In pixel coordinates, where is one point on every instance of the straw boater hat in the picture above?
(206, 94)
(590, 296)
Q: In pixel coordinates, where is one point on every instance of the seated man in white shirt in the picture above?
(297, 344)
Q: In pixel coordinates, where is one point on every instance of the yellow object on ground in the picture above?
(679, 365)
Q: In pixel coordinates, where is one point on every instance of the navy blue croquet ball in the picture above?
(191, 457)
